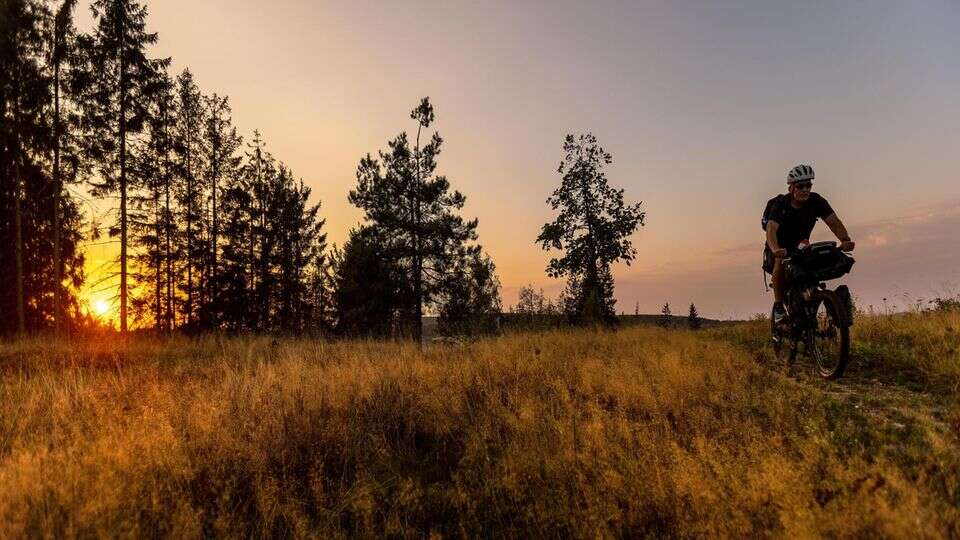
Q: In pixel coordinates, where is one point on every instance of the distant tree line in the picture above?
(214, 233)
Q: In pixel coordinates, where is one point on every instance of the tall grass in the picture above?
(639, 432)
(919, 350)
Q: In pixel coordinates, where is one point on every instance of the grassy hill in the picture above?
(643, 431)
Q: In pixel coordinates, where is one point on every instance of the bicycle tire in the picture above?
(833, 369)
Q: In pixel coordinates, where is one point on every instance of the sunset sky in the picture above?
(704, 106)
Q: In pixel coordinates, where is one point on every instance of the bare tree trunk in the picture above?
(58, 188)
(189, 225)
(252, 285)
(18, 231)
(263, 307)
(123, 191)
(418, 254)
(167, 219)
(213, 221)
(157, 313)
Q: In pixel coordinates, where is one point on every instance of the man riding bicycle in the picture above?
(788, 221)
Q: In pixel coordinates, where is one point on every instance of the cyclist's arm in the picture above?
(772, 242)
(837, 227)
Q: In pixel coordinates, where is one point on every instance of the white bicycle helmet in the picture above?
(800, 173)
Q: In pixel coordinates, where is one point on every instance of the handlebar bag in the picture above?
(820, 262)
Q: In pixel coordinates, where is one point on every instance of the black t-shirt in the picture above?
(796, 224)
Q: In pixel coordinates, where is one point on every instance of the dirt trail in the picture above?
(887, 403)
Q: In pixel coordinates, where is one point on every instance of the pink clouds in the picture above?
(877, 240)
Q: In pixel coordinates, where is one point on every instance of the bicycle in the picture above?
(817, 317)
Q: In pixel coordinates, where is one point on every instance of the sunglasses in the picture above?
(803, 185)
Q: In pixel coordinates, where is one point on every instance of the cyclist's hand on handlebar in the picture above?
(780, 253)
(847, 246)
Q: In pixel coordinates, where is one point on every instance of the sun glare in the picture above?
(101, 307)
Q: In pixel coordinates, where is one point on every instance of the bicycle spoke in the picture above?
(825, 342)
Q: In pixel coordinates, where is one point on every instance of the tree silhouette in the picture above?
(530, 301)
(471, 297)
(593, 229)
(222, 144)
(189, 134)
(116, 81)
(152, 220)
(693, 319)
(368, 285)
(61, 46)
(665, 315)
(32, 211)
(23, 97)
(209, 244)
(414, 212)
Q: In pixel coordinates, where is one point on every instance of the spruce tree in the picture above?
(693, 319)
(471, 297)
(222, 161)
(29, 205)
(256, 173)
(116, 82)
(232, 304)
(23, 95)
(61, 48)
(319, 301)
(368, 287)
(189, 129)
(152, 222)
(593, 229)
(300, 239)
(665, 315)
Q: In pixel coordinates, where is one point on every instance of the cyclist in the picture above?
(788, 221)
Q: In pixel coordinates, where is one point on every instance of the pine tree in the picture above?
(116, 81)
(693, 319)
(190, 120)
(256, 172)
(221, 145)
(665, 315)
(367, 291)
(30, 212)
(414, 212)
(471, 297)
(593, 229)
(231, 303)
(61, 48)
(320, 316)
(152, 221)
(23, 94)
(301, 238)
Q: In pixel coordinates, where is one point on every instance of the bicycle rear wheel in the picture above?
(829, 342)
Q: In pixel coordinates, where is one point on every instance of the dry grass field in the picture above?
(639, 432)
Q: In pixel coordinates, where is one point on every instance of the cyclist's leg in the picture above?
(778, 280)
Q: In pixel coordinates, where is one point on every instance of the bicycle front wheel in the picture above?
(830, 339)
